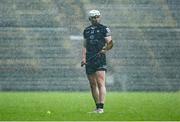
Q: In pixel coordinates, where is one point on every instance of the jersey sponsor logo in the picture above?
(95, 41)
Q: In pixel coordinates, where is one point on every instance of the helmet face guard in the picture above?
(94, 17)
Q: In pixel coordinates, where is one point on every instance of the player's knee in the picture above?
(93, 84)
(101, 84)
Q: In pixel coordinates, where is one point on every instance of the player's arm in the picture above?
(108, 39)
(83, 53)
(109, 44)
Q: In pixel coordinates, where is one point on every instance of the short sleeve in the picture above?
(84, 34)
(107, 32)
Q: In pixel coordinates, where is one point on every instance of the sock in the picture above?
(99, 105)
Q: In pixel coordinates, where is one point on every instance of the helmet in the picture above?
(93, 13)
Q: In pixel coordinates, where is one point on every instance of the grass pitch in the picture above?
(54, 106)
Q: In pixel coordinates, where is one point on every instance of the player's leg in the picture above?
(94, 87)
(100, 77)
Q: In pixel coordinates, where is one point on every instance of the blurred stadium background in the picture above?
(41, 41)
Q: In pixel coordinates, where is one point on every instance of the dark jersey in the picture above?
(95, 41)
(95, 37)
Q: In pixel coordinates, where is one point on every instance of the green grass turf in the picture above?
(75, 106)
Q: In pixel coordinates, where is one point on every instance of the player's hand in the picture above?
(103, 50)
(83, 62)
